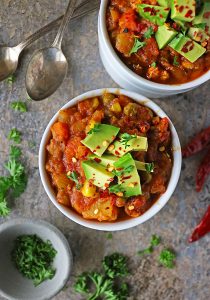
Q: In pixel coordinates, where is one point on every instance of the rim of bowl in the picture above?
(131, 222)
(111, 52)
(41, 223)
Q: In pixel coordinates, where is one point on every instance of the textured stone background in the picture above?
(190, 112)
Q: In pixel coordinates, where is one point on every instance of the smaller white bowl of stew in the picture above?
(145, 49)
(110, 159)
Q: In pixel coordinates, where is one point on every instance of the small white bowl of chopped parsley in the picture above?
(35, 260)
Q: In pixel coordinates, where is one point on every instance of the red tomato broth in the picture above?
(65, 153)
(124, 24)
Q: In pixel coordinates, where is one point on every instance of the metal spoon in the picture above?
(9, 56)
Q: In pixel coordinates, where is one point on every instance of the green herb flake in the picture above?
(115, 265)
(154, 64)
(15, 152)
(125, 170)
(137, 45)
(74, 176)
(10, 79)
(126, 138)
(116, 188)
(15, 135)
(109, 236)
(201, 25)
(150, 167)
(19, 106)
(4, 209)
(96, 128)
(155, 241)
(167, 258)
(149, 33)
(33, 258)
(175, 61)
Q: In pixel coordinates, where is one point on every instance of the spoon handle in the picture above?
(81, 10)
(69, 12)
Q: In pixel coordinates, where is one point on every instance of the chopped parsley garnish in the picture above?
(154, 64)
(175, 61)
(155, 241)
(127, 169)
(137, 45)
(19, 106)
(33, 258)
(10, 79)
(201, 25)
(125, 139)
(109, 236)
(150, 167)
(96, 128)
(149, 32)
(15, 152)
(167, 258)
(74, 176)
(116, 188)
(95, 285)
(15, 135)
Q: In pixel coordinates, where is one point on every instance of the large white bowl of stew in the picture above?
(144, 50)
(110, 159)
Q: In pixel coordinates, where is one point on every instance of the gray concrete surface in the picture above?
(190, 112)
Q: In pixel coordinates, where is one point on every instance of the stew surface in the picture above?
(133, 38)
(66, 155)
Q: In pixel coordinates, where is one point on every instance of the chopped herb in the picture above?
(154, 64)
(109, 236)
(175, 62)
(15, 135)
(115, 265)
(149, 33)
(201, 25)
(126, 137)
(10, 79)
(116, 188)
(15, 152)
(127, 169)
(96, 128)
(150, 167)
(33, 258)
(155, 241)
(137, 45)
(183, 31)
(74, 177)
(167, 258)
(19, 106)
(4, 209)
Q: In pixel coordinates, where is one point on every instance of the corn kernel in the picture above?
(120, 194)
(110, 169)
(88, 189)
(111, 147)
(131, 185)
(161, 149)
(131, 207)
(105, 143)
(95, 102)
(96, 211)
(115, 107)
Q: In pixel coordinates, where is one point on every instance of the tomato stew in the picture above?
(133, 38)
(65, 154)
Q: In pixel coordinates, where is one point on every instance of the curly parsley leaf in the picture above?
(19, 106)
(96, 128)
(4, 209)
(15, 135)
(10, 79)
(126, 138)
(81, 285)
(74, 176)
(149, 32)
(115, 265)
(167, 258)
(155, 241)
(137, 45)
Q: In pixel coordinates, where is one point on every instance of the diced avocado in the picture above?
(197, 34)
(142, 166)
(183, 10)
(97, 173)
(204, 16)
(128, 180)
(187, 48)
(106, 160)
(164, 35)
(119, 148)
(164, 3)
(155, 14)
(100, 137)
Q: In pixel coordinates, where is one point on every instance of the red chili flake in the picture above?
(106, 185)
(120, 148)
(98, 147)
(94, 151)
(98, 160)
(126, 177)
(207, 15)
(151, 10)
(188, 47)
(161, 16)
(116, 152)
(181, 8)
(189, 14)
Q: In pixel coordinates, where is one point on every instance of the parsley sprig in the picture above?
(137, 45)
(15, 135)
(167, 258)
(149, 32)
(74, 176)
(155, 241)
(19, 106)
(126, 138)
(33, 258)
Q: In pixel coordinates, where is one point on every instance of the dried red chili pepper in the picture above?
(203, 172)
(198, 143)
(202, 228)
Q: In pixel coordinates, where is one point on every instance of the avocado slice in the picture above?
(153, 13)
(118, 148)
(128, 179)
(164, 3)
(204, 16)
(99, 138)
(197, 34)
(187, 47)
(97, 173)
(183, 10)
(164, 35)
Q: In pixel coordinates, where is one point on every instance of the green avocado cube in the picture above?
(119, 149)
(100, 137)
(164, 35)
(164, 3)
(155, 14)
(203, 17)
(197, 34)
(187, 47)
(183, 10)
(106, 160)
(97, 173)
(128, 180)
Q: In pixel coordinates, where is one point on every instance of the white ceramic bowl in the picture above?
(125, 224)
(13, 285)
(126, 78)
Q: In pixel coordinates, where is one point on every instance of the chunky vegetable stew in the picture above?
(109, 157)
(163, 41)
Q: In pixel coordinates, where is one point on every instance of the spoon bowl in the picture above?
(8, 61)
(45, 73)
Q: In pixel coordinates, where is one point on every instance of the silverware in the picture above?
(9, 56)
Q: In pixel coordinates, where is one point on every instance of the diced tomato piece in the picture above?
(60, 131)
